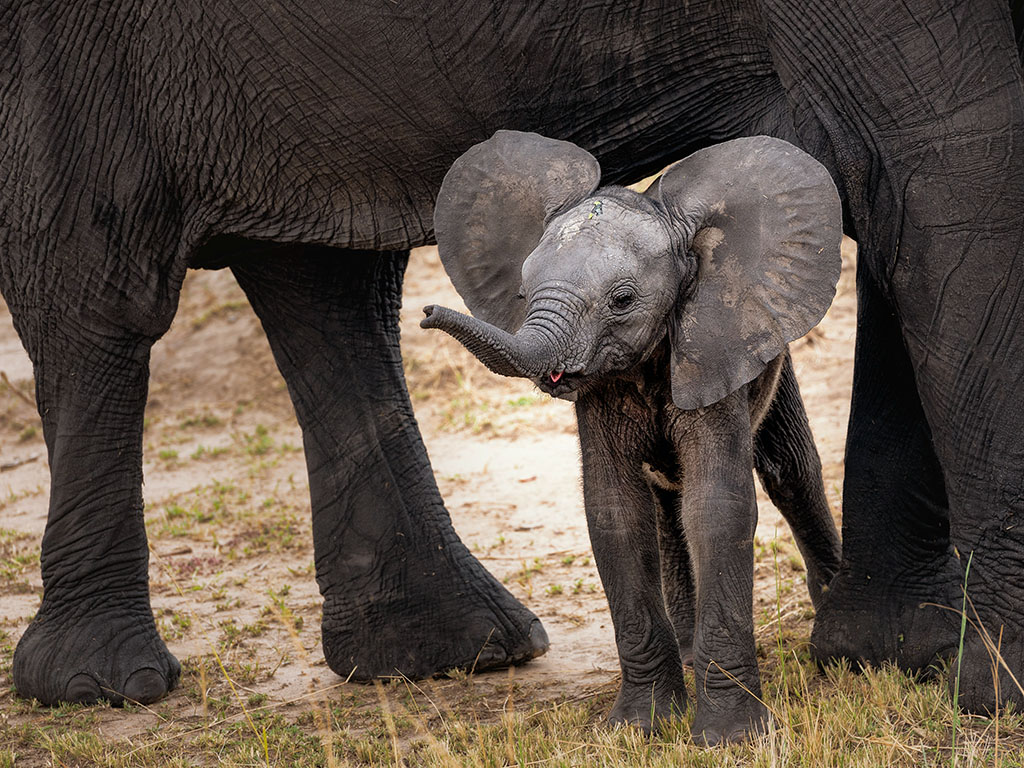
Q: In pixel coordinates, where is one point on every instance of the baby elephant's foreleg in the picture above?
(621, 520)
(718, 511)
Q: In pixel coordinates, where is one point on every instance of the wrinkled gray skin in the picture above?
(667, 457)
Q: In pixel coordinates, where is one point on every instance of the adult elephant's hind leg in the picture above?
(964, 302)
(934, 178)
(897, 562)
(402, 594)
(94, 636)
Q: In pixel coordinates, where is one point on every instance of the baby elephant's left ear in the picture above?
(765, 222)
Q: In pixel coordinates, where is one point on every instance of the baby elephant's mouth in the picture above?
(560, 384)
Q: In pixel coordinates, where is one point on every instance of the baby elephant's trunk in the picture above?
(526, 354)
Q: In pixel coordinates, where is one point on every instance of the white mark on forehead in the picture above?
(590, 211)
(569, 230)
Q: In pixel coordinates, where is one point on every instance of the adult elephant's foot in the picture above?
(909, 621)
(714, 726)
(646, 706)
(70, 654)
(435, 622)
(981, 692)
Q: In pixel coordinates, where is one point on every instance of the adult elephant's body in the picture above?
(303, 147)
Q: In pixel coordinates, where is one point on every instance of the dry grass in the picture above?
(839, 718)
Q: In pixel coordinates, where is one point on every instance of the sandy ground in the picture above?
(228, 514)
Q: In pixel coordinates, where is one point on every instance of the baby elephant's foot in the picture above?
(645, 706)
(72, 654)
(715, 726)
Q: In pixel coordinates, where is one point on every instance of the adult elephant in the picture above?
(302, 144)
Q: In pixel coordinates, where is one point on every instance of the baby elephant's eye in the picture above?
(623, 299)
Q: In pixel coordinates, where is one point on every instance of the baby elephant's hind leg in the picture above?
(676, 572)
(787, 462)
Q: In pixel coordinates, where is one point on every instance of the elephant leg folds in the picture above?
(990, 669)
(402, 594)
(449, 619)
(869, 623)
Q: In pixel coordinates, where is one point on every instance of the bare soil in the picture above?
(228, 511)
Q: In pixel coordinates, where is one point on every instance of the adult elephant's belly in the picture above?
(341, 130)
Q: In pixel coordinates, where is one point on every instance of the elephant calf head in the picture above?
(733, 253)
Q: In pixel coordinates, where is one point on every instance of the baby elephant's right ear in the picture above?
(491, 211)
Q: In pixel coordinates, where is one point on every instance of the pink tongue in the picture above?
(555, 377)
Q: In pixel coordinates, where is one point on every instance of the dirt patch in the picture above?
(228, 512)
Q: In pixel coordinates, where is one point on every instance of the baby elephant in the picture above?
(666, 317)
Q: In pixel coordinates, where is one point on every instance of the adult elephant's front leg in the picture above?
(94, 636)
(402, 594)
(623, 532)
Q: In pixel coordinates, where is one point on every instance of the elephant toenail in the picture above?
(82, 689)
(539, 642)
(144, 686)
(738, 736)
